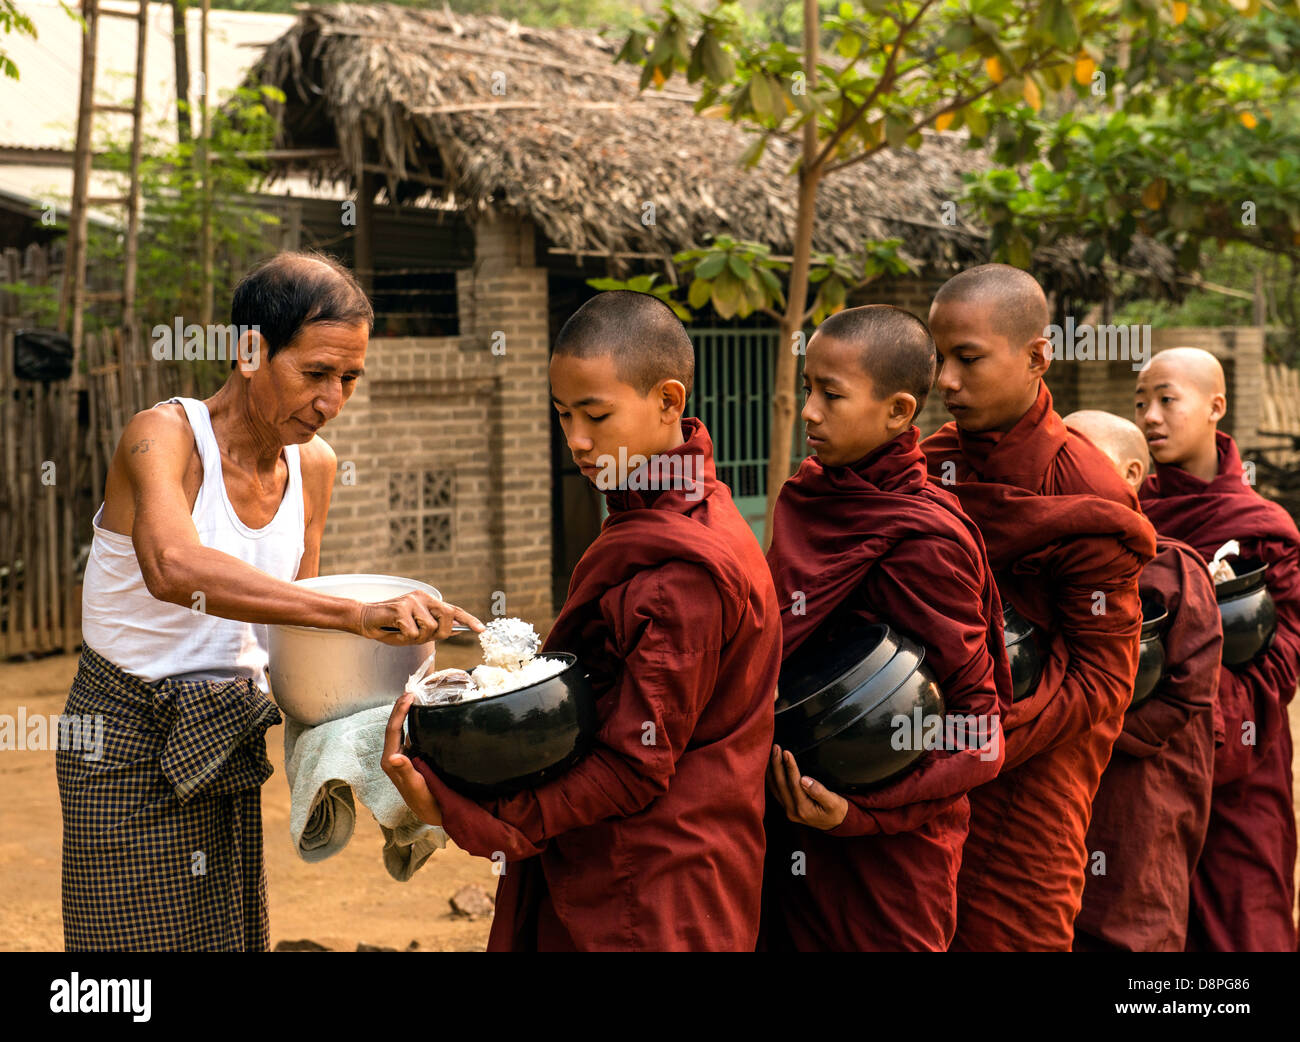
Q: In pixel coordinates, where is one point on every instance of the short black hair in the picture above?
(894, 346)
(292, 290)
(1018, 305)
(643, 336)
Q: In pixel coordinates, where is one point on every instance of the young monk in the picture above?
(1066, 542)
(860, 531)
(1244, 891)
(1153, 806)
(655, 839)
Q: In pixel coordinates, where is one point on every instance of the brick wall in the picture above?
(448, 441)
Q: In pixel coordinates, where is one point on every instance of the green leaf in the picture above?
(754, 151)
(765, 96)
(699, 293)
(773, 286)
(896, 131)
(1020, 253)
(711, 267)
(1056, 21)
(739, 267)
(726, 296)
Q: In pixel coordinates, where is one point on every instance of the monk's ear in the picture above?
(1134, 471)
(902, 409)
(1040, 356)
(671, 395)
(1218, 407)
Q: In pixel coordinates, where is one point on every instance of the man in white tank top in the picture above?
(217, 505)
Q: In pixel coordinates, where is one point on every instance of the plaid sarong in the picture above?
(162, 836)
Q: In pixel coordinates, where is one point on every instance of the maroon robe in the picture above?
(876, 539)
(1244, 889)
(1151, 812)
(1067, 542)
(654, 840)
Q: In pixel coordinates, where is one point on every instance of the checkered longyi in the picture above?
(162, 836)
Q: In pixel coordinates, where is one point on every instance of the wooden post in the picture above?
(72, 294)
(363, 257)
(205, 233)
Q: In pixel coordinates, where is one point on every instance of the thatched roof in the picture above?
(574, 144)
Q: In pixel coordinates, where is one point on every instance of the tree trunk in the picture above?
(184, 129)
(789, 347)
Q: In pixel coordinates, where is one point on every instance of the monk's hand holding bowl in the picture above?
(414, 618)
(805, 800)
(409, 782)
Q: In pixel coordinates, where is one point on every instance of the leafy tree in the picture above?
(865, 76)
(1193, 137)
(13, 20)
(169, 279)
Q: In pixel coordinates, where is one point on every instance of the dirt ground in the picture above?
(338, 903)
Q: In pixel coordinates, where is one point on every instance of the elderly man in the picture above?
(211, 510)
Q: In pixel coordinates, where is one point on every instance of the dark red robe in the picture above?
(1244, 889)
(654, 840)
(878, 540)
(1067, 543)
(1151, 812)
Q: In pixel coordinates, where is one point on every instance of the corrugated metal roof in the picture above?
(41, 107)
(39, 110)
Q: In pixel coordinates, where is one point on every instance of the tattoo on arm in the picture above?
(141, 446)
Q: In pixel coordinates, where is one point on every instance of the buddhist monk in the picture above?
(860, 531)
(653, 841)
(1066, 543)
(1151, 812)
(1244, 891)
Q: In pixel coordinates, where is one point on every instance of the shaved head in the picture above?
(1190, 366)
(640, 333)
(893, 346)
(1180, 399)
(1013, 298)
(1119, 439)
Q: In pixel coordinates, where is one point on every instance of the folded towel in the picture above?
(326, 765)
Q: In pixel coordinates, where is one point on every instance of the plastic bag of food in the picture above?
(1220, 570)
(441, 688)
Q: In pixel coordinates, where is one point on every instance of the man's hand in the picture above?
(401, 772)
(415, 618)
(806, 801)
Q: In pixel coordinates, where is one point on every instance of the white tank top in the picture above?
(153, 639)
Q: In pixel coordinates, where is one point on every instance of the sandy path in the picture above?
(346, 900)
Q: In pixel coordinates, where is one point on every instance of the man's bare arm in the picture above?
(177, 567)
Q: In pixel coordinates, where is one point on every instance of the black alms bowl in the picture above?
(1248, 613)
(1026, 661)
(1151, 650)
(499, 745)
(837, 700)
